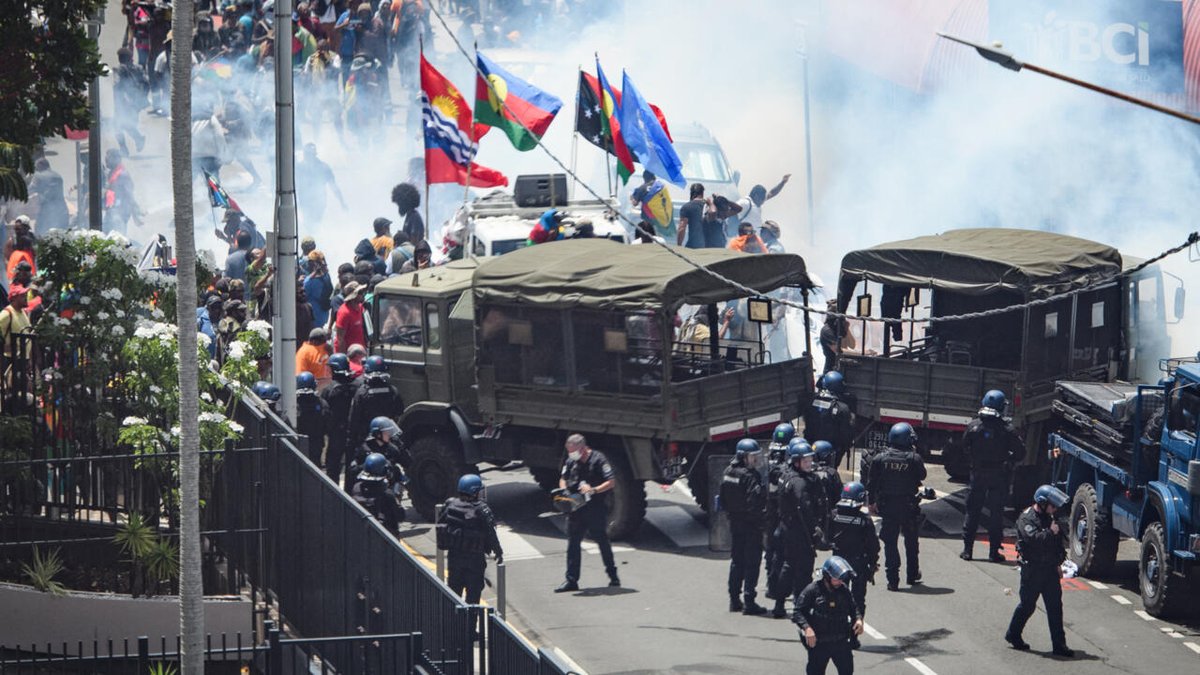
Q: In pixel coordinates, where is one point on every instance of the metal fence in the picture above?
(275, 527)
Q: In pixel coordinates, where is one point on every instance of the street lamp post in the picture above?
(95, 210)
(808, 161)
(284, 301)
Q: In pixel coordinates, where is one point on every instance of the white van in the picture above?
(496, 225)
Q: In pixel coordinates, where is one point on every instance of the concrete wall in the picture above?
(30, 617)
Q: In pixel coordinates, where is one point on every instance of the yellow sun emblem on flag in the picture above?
(608, 105)
(497, 93)
(447, 105)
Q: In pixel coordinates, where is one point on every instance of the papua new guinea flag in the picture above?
(519, 109)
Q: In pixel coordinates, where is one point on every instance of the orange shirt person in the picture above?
(313, 357)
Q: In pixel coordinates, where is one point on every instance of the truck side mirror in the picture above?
(1193, 478)
(1180, 298)
(737, 176)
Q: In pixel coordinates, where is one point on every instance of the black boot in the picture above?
(1016, 642)
(735, 603)
(567, 586)
(779, 612)
(753, 608)
(613, 580)
(996, 556)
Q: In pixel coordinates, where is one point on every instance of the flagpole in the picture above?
(474, 141)
(575, 135)
(608, 170)
(424, 155)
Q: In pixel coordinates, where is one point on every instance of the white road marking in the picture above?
(1192, 646)
(1142, 613)
(921, 667)
(872, 632)
(515, 546)
(1097, 585)
(1121, 600)
(591, 547)
(678, 525)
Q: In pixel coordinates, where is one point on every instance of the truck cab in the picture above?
(499, 359)
(1129, 456)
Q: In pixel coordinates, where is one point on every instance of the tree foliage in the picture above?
(46, 63)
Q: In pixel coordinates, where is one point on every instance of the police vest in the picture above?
(732, 492)
(462, 527)
(850, 530)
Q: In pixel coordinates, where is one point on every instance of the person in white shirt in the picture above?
(752, 206)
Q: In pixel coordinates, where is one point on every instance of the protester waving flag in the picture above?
(512, 105)
(450, 135)
(646, 138)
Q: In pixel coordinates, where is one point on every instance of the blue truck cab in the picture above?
(1128, 455)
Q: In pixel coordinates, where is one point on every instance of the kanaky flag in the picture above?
(502, 100)
(589, 118)
(450, 136)
(217, 196)
(610, 105)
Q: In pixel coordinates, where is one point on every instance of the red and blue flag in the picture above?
(451, 138)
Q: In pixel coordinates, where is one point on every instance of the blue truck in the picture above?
(1128, 455)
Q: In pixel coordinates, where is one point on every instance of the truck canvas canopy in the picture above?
(603, 275)
(981, 261)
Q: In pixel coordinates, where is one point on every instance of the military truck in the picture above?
(499, 359)
(1128, 455)
(933, 375)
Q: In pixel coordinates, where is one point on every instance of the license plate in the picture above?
(877, 440)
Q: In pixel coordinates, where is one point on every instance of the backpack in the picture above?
(732, 493)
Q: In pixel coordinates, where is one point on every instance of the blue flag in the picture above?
(645, 138)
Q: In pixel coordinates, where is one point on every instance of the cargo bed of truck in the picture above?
(1101, 416)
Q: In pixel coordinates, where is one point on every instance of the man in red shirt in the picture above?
(348, 327)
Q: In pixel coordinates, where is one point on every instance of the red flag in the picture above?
(450, 135)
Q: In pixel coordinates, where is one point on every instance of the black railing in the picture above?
(275, 527)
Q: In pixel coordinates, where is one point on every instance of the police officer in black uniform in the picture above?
(777, 475)
(371, 491)
(743, 498)
(992, 446)
(375, 397)
(828, 618)
(799, 504)
(311, 418)
(467, 530)
(587, 472)
(383, 434)
(893, 478)
(828, 417)
(337, 398)
(852, 534)
(826, 474)
(1041, 545)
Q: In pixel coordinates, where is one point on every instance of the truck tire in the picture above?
(546, 477)
(697, 480)
(627, 503)
(1093, 541)
(436, 467)
(1163, 592)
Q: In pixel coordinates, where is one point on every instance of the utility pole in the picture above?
(284, 299)
(808, 161)
(95, 166)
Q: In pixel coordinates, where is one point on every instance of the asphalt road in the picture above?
(670, 615)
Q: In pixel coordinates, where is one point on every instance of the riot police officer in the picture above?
(587, 472)
(893, 478)
(269, 394)
(992, 446)
(1041, 546)
(337, 398)
(467, 530)
(853, 537)
(828, 618)
(375, 397)
(797, 531)
(743, 499)
(825, 472)
(777, 475)
(828, 417)
(383, 432)
(371, 491)
(311, 417)
(782, 435)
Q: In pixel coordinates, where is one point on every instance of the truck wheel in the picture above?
(627, 503)
(546, 477)
(698, 481)
(1093, 545)
(436, 468)
(1163, 592)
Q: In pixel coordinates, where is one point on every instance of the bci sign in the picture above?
(1127, 44)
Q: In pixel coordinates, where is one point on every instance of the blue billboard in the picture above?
(1130, 45)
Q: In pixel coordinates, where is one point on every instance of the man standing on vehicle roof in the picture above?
(587, 472)
(691, 219)
(992, 447)
(752, 205)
